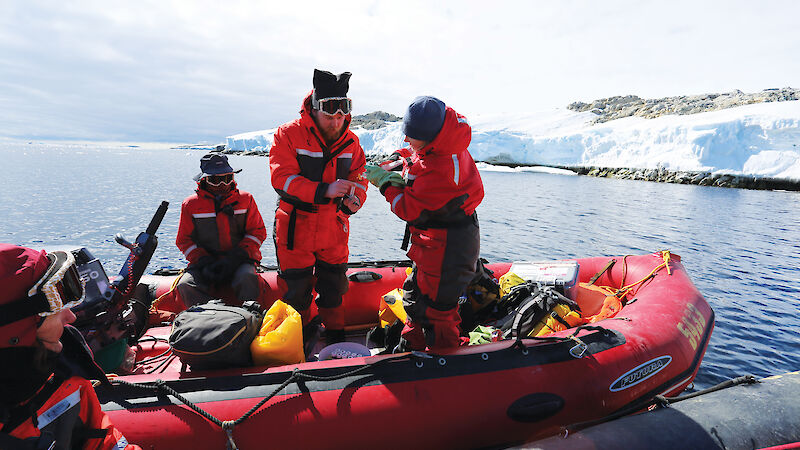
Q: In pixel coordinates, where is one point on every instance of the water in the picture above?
(741, 248)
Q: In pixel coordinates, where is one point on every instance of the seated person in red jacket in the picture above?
(436, 195)
(220, 234)
(46, 398)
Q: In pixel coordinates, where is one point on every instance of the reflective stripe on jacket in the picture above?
(206, 228)
(71, 418)
(443, 185)
(302, 166)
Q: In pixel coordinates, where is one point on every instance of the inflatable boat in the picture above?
(504, 392)
(739, 414)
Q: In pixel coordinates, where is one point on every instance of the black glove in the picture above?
(221, 270)
(216, 272)
(238, 255)
(204, 261)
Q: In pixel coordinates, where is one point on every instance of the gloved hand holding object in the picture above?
(351, 202)
(215, 272)
(379, 176)
(238, 256)
(222, 270)
(204, 261)
(393, 162)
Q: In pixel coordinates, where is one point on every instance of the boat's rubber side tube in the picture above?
(746, 416)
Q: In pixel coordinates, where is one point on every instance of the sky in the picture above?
(198, 71)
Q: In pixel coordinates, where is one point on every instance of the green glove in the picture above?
(379, 176)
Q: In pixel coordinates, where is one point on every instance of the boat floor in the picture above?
(154, 355)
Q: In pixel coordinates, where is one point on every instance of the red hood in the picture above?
(454, 137)
(20, 268)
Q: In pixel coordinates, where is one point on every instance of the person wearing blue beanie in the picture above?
(436, 195)
(424, 118)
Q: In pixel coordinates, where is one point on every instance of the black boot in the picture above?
(334, 336)
(311, 334)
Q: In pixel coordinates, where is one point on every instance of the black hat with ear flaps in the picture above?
(328, 85)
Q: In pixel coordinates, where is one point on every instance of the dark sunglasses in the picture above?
(334, 105)
(216, 180)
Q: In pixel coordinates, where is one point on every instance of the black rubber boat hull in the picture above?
(746, 416)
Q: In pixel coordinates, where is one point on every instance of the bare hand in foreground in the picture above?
(339, 188)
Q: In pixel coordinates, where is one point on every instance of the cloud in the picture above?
(201, 70)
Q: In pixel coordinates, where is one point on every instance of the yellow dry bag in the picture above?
(391, 308)
(280, 340)
(507, 281)
(559, 319)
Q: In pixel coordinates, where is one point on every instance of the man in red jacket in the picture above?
(316, 164)
(437, 196)
(46, 398)
(220, 234)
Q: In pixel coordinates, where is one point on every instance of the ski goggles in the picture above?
(334, 105)
(61, 286)
(217, 180)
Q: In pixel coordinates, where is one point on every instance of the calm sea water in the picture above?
(741, 248)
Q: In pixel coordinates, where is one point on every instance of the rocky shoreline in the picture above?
(656, 175)
(695, 178)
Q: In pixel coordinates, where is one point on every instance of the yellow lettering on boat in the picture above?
(692, 325)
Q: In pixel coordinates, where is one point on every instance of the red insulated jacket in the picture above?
(206, 228)
(302, 167)
(73, 407)
(443, 183)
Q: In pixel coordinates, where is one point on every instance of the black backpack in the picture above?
(532, 303)
(479, 303)
(214, 335)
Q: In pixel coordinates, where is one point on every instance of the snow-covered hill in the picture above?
(761, 140)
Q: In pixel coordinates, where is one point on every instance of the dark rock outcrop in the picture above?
(631, 105)
(374, 120)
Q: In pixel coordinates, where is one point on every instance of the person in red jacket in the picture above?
(316, 164)
(46, 398)
(220, 234)
(437, 197)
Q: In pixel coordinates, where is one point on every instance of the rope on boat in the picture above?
(663, 402)
(625, 289)
(659, 401)
(154, 305)
(580, 348)
(228, 425)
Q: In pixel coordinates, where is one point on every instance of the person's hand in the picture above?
(238, 255)
(214, 272)
(339, 188)
(351, 202)
(229, 264)
(392, 162)
(379, 176)
(204, 261)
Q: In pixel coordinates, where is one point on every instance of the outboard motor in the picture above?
(98, 287)
(106, 317)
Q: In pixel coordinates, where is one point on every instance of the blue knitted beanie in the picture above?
(424, 118)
